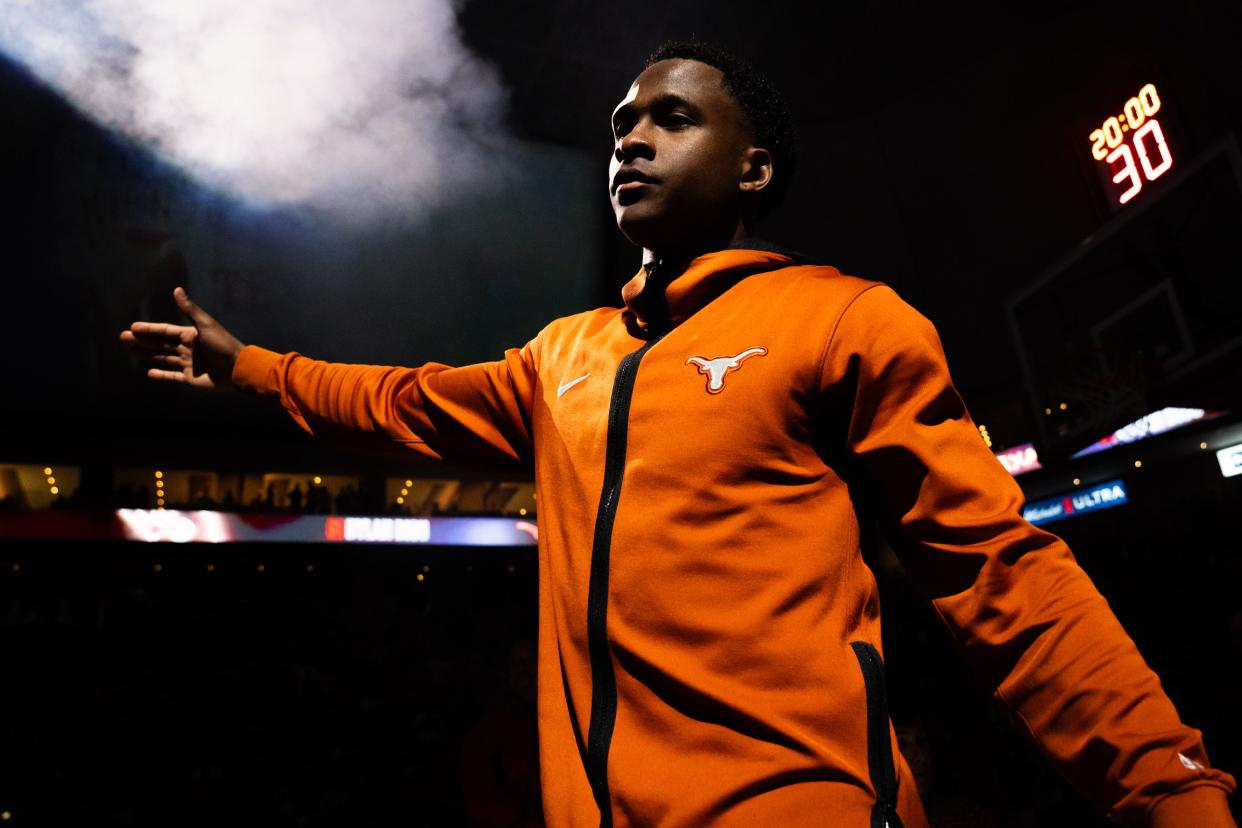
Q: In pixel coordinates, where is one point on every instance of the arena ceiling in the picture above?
(567, 61)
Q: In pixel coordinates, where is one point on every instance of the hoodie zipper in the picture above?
(879, 748)
(603, 678)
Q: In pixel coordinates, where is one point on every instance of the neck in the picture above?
(682, 256)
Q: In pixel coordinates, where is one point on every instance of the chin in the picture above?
(642, 227)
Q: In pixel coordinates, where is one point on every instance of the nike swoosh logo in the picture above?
(568, 385)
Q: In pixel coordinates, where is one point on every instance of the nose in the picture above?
(633, 144)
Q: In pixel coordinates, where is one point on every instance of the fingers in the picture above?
(200, 316)
(163, 375)
(159, 329)
(169, 354)
(168, 376)
(151, 344)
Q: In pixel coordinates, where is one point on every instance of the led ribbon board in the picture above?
(218, 527)
(171, 525)
(1132, 144)
(1103, 496)
(1157, 422)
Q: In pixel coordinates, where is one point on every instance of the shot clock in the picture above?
(1132, 144)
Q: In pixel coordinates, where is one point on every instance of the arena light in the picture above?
(1019, 459)
(1158, 422)
(1230, 460)
(155, 525)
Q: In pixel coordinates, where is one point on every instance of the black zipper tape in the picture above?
(603, 679)
(879, 748)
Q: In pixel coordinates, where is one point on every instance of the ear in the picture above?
(756, 170)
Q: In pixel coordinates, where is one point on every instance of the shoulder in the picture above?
(878, 307)
(836, 299)
(823, 284)
(864, 322)
(565, 335)
(579, 325)
(879, 329)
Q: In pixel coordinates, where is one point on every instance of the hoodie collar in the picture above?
(658, 297)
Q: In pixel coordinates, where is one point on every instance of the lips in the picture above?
(630, 179)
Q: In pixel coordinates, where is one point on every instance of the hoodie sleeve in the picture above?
(1027, 618)
(473, 414)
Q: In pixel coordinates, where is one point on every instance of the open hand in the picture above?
(201, 354)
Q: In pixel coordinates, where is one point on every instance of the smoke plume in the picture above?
(365, 111)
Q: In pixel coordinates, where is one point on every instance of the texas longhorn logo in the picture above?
(715, 369)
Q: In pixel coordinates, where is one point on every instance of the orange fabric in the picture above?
(1202, 807)
(736, 587)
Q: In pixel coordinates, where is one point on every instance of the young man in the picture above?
(709, 639)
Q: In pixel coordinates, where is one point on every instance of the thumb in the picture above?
(199, 316)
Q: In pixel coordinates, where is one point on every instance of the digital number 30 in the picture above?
(1150, 171)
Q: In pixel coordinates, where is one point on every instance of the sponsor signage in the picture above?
(1230, 460)
(1158, 422)
(1019, 459)
(176, 526)
(1093, 499)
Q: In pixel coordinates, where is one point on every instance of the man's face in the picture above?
(681, 139)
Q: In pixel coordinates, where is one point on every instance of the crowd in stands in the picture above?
(311, 500)
(308, 499)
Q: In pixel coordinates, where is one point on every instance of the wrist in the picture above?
(234, 354)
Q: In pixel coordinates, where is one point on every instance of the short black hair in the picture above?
(763, 106)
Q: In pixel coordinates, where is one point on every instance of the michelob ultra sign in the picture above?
(1103, 496)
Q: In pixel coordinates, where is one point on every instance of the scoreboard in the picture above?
(1132, 146)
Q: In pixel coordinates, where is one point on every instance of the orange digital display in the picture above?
(1132, 144)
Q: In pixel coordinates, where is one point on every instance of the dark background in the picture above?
(943, 152)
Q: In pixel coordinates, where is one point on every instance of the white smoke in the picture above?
(364, 110)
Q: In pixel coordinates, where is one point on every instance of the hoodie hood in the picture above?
(656, 298)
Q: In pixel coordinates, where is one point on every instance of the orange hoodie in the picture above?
(709, 636)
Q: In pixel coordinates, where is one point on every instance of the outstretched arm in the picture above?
(1028, 619)
(475, 413)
